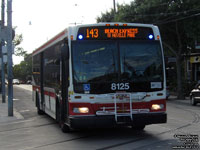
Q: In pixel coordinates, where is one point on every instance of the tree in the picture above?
(178, 21)
(106, 17)
(19, 51)
(23, 70)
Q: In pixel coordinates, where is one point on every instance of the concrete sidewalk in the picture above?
(4, 118)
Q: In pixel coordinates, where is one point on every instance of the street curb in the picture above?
(4, 118)
(17, 114)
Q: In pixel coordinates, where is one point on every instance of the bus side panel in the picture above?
(50, 102)
(51, 78)
(41, 97)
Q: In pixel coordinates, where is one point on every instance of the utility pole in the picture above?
(3, 87)
(114, 7)
(10, 63)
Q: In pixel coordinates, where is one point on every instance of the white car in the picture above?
(16, 81)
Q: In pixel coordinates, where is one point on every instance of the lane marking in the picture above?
(26, 110)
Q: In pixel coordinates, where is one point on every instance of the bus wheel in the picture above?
(65, 128)
(39, 111)
(193, 101)
(138, 127)
(57, 111)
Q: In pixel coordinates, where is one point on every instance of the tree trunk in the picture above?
(180, 94)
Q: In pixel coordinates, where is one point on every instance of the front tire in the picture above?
(64, 128)
(193, 101)
(39, 111)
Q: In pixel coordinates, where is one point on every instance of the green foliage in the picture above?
(165, 14)
(18, 39)
(106, 17)
(19, 51)
(178, 21)
(23, 70)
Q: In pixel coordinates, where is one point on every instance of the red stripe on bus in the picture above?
(51, 94)
(95, 107)
(35, 88)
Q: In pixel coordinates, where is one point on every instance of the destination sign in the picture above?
(115, 32)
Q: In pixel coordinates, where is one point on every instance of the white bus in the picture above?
(102, 75)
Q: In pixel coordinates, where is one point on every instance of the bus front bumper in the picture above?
(109, 121)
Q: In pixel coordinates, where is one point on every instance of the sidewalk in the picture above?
(4, 118)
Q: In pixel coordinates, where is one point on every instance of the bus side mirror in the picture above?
(65, 51)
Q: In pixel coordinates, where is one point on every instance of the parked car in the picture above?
(22, 82)
(195, 95)
(29, 82)
(16, 81)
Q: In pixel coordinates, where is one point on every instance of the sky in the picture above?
(40, 20)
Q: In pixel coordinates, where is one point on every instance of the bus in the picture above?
(101, 75)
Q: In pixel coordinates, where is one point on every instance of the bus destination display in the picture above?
(115, 32)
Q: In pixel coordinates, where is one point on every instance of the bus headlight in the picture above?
(157, 106)
(81, 110)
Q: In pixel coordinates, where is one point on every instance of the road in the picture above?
(36, 132)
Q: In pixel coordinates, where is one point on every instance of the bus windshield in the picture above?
(117, 61)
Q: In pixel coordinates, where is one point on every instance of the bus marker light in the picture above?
(77, 97)
(81, 110)
(158, 37)
(160, 94)
(125, 25)
(150, 36)
(107, 25)
(157, 106)
(80, 36)
(116, 24)
(72, 37)
(92, 97)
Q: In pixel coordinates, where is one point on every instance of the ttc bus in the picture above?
(101, 75)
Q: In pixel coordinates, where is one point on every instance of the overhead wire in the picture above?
(178, 19)
(169, 15)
